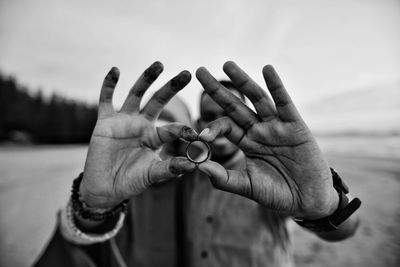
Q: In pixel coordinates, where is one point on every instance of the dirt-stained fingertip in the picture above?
(201, 71)
(272, 78)
(268, 69)
(152, 72)
(181, 80)
(229, 65)
(157, 64)
(189, 134)
(113, 75)
(186, 74)
(180, 165)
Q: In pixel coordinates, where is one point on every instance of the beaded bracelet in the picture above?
(73, 234)
(80, 208)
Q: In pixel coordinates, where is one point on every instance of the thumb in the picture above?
(237, 182)
(173, 131)
(168, 169)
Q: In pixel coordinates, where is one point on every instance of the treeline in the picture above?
(32, 118)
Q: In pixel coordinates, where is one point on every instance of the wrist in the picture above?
(332, 204)
(344, 210)
(327, 204)
(96, 201)
(96, 213)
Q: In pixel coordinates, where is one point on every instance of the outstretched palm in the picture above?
(285, 169)
(123, 156)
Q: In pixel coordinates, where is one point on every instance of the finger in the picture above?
(174, 131)
(153, 108)
(167, 169)
(232, 105)
(261, 101)
(284, 105)
(228, 180)
(224, 126)
(132, 102)
(107, 90)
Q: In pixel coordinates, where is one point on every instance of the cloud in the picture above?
(318, 47)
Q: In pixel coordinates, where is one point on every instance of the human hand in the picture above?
(285, 169)
(123, 157)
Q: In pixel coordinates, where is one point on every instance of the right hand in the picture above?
(123, 157)
(285, 168)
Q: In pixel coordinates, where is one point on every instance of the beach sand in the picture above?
(35, 183)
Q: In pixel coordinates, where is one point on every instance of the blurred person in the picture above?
(266, 163)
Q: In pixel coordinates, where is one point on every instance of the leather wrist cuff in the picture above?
(342, 213)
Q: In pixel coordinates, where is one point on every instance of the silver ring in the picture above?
(200, 161)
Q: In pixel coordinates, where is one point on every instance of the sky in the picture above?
(320, 48)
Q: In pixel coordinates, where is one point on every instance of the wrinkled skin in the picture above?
(285, 169)
(123, 157)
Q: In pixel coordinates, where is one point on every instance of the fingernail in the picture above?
(204, 132)
(113, 74)
(189, 133)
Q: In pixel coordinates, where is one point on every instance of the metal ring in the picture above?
(193, 160)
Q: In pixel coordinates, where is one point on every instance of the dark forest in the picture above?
(33, 118)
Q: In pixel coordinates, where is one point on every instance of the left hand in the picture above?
(285, 169)
(123, 157)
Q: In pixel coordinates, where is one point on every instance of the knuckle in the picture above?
(230, 107)
(256, 98)
(138, 91)
(248, 124)
(161, 98)
(281, 103)
(274, 87)
(213, 90)
(106, 93)
(243, 84)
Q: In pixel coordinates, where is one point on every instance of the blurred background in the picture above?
(340, 61)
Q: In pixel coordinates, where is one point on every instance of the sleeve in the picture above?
(64, 253)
